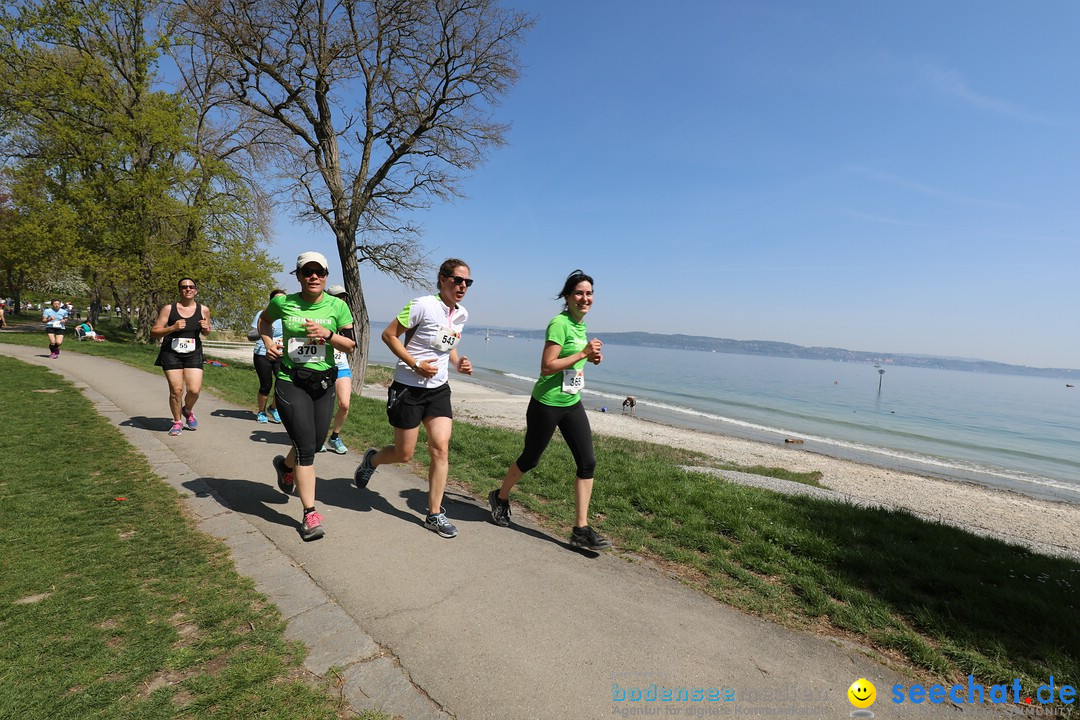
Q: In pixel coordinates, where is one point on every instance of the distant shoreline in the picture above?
(768, 348)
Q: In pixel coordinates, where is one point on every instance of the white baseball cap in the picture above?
(312, 257)
(335, 290)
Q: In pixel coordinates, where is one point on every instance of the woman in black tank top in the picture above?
(180, 326)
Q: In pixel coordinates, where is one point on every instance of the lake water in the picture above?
(1013, 432)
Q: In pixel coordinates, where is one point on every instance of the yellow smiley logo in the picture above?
(862, 693)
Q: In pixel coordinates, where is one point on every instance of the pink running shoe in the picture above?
(312, 528)
(176, 429)
(192, 423)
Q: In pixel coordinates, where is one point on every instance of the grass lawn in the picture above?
(937, 600)
(111, 604)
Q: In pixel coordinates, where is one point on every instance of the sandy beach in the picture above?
(1046, 526)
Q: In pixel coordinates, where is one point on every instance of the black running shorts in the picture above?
(407, 406)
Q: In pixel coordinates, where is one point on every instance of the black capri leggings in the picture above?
(266, 369)
(541, 421)
(306, 415)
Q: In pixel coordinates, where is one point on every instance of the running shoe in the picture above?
(586, 537)
(311, 528)
(438, 523)
(274, 417)
(176, 429)
(53, 356)
(285, 481)
(261, 418)
(365, 470)
(500, 509)
(192, 423)
(336, 445)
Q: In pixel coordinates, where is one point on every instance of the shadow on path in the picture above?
(234, 414)
(155, 424)
(250, 498)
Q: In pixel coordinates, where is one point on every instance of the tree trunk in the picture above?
(346, 242)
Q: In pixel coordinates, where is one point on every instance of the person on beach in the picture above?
(314, 325)
(181, 327)
(432, 326)
(265, 369)
(556, 403)
(55, 319)
(342, 387)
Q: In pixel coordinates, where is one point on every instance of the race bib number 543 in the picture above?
(445, 339)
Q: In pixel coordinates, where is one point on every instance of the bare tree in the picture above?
(374, 107)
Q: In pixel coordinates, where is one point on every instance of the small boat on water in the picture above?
(1068, 385)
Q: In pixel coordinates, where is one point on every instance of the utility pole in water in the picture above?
(881, 374)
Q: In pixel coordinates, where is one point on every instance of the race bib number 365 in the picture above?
(573, 380)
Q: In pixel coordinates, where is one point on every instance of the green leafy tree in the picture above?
(122, 159)
(371, 110)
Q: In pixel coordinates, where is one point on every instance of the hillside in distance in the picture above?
(780, 349)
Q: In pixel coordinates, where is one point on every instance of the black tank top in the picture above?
(191, 328)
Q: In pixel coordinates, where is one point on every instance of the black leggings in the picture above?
(266, 369)
(306, 415)
(540, 423)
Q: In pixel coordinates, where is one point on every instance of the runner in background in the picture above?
(420, 392)
(342, 386)
(181, 327)
(55, 319)
(265, 369)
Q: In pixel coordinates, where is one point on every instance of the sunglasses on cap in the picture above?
(458, 280)
(308, 272)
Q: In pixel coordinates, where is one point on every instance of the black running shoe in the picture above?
(285, 481)
(586, 537)
(365, 470)
(500, 509)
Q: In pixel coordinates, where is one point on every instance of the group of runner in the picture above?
(303, 343)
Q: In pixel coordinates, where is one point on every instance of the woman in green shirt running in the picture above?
(556, 403)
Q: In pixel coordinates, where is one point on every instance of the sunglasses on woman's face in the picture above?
(308, 272)
(458, 280)
(187, 287)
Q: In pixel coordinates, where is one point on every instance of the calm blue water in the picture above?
(1019, 433)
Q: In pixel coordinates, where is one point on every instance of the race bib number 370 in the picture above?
(302, 350)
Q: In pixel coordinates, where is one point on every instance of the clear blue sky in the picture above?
(894, 177)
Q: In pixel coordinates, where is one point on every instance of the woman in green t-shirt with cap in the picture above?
(313, 324)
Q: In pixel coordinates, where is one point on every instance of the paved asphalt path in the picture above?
(496, 623)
